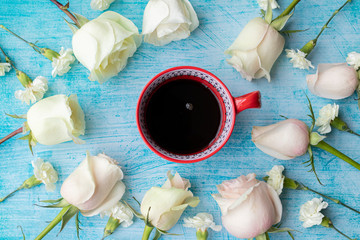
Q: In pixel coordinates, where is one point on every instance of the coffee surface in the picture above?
(183, 116)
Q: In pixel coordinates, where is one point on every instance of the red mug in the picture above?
(229, 106)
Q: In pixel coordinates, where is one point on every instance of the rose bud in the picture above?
(256, 49)
(95, 185)
(164, 205)
(283, 140)
(168, 20)
(333, 81)
(249, 207)
(104, 45)
(56, 119)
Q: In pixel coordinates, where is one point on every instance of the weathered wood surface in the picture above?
(110, 115)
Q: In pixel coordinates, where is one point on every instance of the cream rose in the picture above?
(283, 140)
(56, 119)
(168, 20)
(104, 45)
(165, 205)
(95, 185)
(333, 81)
(256, 49)
(249, 207)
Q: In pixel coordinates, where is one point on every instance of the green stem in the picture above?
(200, 235)
(20, 130)
(36, 48)
(157, 235)
(337, 201)
(324, 146)
(53, 223)
(7, 59)
(333, 227)
(332, 16)
(64, 8)
(10, 194)
(147, 232)
(288, 9)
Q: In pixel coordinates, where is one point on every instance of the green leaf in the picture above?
(310, 163)
(167, 233)
(292, 237)
(157, 235)
(280, 23)
(72, 26)
(72, 211)
(31, 141)
(283, 116)
(81, 19)
(22, 116)
(51, 201)
(263, 236)
(22, 232)
(289, 32)
(56, 204)
(136, 213)
(312, 116)
(262, 14)
(269, 13)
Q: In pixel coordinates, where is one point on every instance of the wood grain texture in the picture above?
(110, 115)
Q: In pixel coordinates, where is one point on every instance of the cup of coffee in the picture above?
(186, 114)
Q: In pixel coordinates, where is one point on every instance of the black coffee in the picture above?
(183, 116)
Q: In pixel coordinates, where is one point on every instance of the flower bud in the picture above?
(333, 81)
(49, 54)
(284, 140)
(24, 79)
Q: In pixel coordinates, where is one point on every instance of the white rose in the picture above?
(56, 119)
(165, 205)
(95, 185)
(100, 5)
(249, 207)
(326, 115)
(104, 45)
(283, 140)
(168, 20)
(276, 178)
(310, 212)
(256, 49)
(333, 81)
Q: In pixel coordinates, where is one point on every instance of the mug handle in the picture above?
(250, 100)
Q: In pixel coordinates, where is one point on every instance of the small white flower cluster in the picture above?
(202, 221)
(310, 212)
(276, 178)
(4, 68)
(327, 114)
(264, 4)
(353, 59)
(61, 64)
(34, 91)
(45, 173)
(298, 59)
(121, 213)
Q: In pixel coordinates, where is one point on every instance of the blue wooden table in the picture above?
(110, 115)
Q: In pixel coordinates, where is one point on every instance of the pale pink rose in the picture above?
(249, 207)
(333, 81)
(283, 140)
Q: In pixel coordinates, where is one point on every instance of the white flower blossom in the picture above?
(61, 64)
(298, 59)
(353, 59)
(45, 173)
(202, 221)
(264, 3)
(276, 178)
(326, 115)
(34, 91)
(310, 212)
(121, 213)
(101, 5)
(4, 67)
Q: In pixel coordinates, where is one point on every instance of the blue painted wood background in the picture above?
(110, 114)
